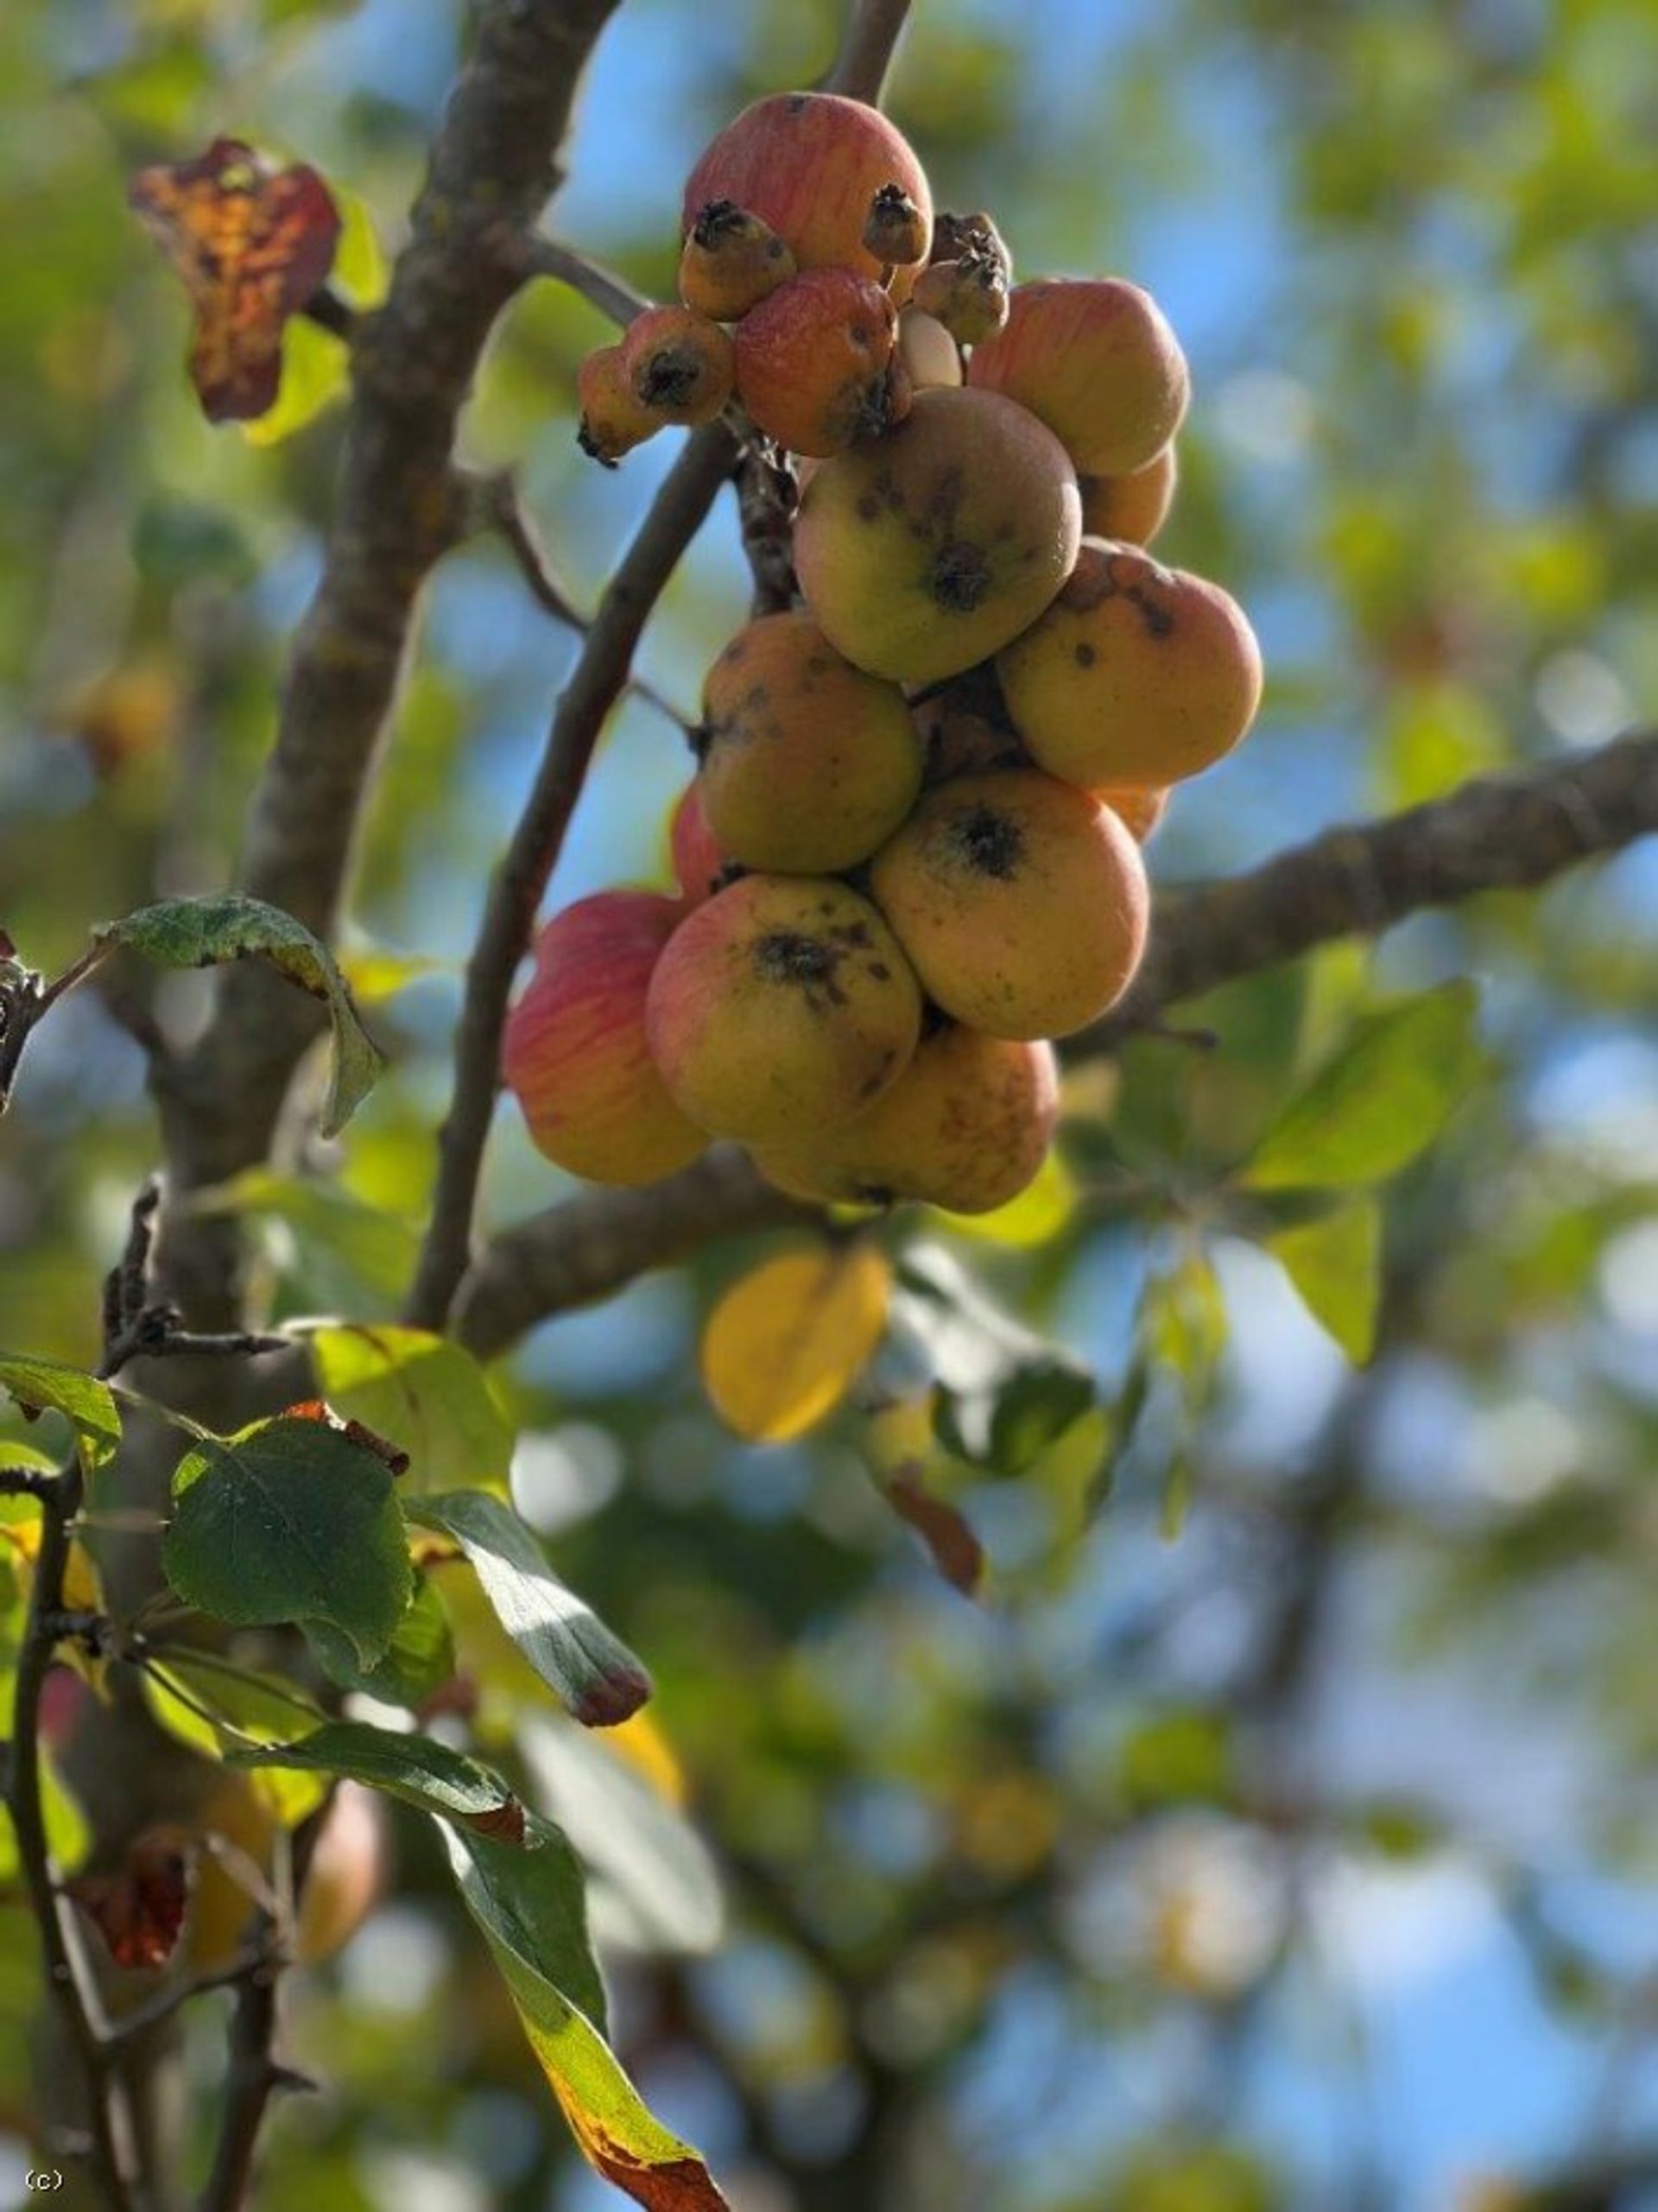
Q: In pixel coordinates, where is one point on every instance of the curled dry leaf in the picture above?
(251, 243)
(139, 1909)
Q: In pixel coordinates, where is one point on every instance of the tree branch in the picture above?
(1497, 834)
(545, 256)
(493, 166)
(112, 2142)
(494, 504)
(588, 1246)
(676, 514)
(1491, 834)
(866, 49)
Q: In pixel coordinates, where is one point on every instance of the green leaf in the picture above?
(529, 1904)
(1036, 1407)
(531, 1898)
(1004, 1393)
(418, 1769)
(290, 1520)
(418, 1661)
(206, 932)
(217, 1708)
(1382, 1099)
(1335, 1264)
(1185, 1325)
(593, 1673)
(87, 1404)
(426, 1394)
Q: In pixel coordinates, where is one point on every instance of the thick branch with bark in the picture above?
(1496, 833)
(494, 164)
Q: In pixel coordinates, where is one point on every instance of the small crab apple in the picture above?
(969, 296)
(895, 231)
(812, 361)
(1097, 361)
(1136, 674)
(614, 420)
(574, 1054)
(781, 1004)
(930, 548)
(928, 352)
(731, 260)
(1130, 509)
(810, 165)
(681, 364)
(698, 862)
(965, 1126)
(808, 764)
(970, 282)
(1021, 902)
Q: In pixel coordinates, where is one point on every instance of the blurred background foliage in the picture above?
(1305, 1861)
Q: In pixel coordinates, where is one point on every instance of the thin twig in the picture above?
(545, 256)
(675, 516)
(28, 1482)
(256, 2075)
(493, 503)
(866, 49)
(166, 2002)
(112, 2139)
(329, 312)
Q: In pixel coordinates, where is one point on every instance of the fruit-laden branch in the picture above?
(866, 50)
(494, 163)
(596, 682)
(1492, 835)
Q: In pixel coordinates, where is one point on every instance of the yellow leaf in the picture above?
(784, 1344)
(641, 1743)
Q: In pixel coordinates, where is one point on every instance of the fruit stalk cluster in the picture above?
(910, 856)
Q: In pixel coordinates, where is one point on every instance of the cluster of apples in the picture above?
(910, 856)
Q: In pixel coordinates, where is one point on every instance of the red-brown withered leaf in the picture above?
(139, 1909)
(251, 243)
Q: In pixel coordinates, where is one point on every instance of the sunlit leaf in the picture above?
(1382, 1099)
(290, 1520)
(87, 1404)
(315, 362)
(652, 1886)
(216, 1708)
(206, 932)
(1335, 1263)
(787, 1342)
(529, 1905)
(419, 1770)
(593, 1672)
(251, 244)
(425, 1392)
